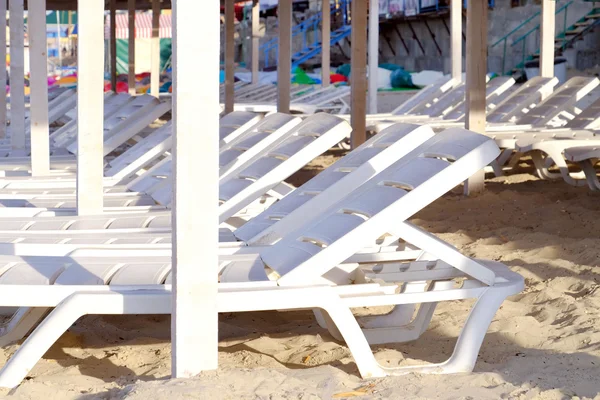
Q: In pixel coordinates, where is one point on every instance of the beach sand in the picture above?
(542, 344)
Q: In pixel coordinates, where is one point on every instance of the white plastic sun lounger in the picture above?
(123, 169)
(118, 128)
(309, 268)
(245, 183)
(320, 192)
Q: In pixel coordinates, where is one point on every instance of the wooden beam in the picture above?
(38, 113)
(476, 76)
(547, 38)
(358, 73)
(456, 39)
(194, 323)
(113, 45)
(229, 55)
(284, 64)
(326, 43)
(17, 77)
(255, 40)
(3, 71)
(90, 107)
(155, 50)
(131, 47)
(373, 54)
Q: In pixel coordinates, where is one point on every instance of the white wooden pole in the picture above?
(90, 106)
(547, 38)
(255, 40)
(325, 43)
(38, 115)
(113, 45)
(194, 323)
(476, 76)
(284, 64)
(229, 54)
(373, 54)
(131, 47)
(456, 38)
(155, 50)
(17, 77)
(358, 73)
(3, 69)
(57, 13)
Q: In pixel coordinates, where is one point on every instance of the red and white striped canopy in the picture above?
(143, 26)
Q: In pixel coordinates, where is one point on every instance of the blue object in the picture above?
(221, 76)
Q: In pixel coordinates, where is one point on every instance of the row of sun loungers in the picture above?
(341, 240)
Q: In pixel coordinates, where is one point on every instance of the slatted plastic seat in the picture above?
(428, 95)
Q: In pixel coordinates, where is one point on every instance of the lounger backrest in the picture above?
(565, 96)
(141, 154)
(123, 126)
(372, 210)
(448, 101)
(495, 88)
(65, 134)
(235, 123)
(428, 95)
(522, 99)
(588, 119)
(334, 182)
(315, 135)
(242, 151)
(326, 98)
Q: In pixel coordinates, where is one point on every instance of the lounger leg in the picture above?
(573, 179)
(590, 174)
(66, 313)
(24, 320)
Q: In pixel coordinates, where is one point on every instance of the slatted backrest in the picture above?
(565, 96)
(522, 100)
(494, 89)
(130, 110)
(326, 98)
(141, 154)
(448, 101)
(131, 125)
(333, 183)
(158, 174)
(235, 123)
(588, 119)
(372, 210)
(251, 144)
(315, 135)
(67, 133)
(428, 95)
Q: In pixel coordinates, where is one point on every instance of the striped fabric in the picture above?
(143, 26)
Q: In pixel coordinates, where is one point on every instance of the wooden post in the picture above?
(229, 54)
(90, 107)
(155, 50)
(255, 41)
(3, 70)
(113, 45)
(456, 39)
(284, 64)
(40, 139)
(358, 73)
(373, 54)
(194, 323)
(476, 76)
(325, 43)
(547, 38)
(131, 47)
(17, 77)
